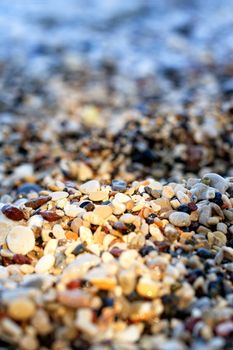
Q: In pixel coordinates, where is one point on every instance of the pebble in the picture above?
(45, 263)
(50, 216)
(21, 309)
(56, 196)
(104, 211)
(119, 185)
(58, 232)
(122, 198)
(13, 213)
(90, 186)
(37, 202)
(20, 240)
(97, 196)
(179, 219)
(147, 288)
(28, 188)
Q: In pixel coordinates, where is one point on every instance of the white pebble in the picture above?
(51, 247)
(58, 232)
(56, 196)
(122, 198)
(179, 219)
(45, 263)
(20, 240)
(90, 186)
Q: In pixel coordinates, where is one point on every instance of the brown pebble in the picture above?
(12, 212)
(50, 216)
(37, 202)
(21, 259)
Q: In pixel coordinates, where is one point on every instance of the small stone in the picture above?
(127, 281)
(45, 263)
(50, 216)
(179, 219)
(13, 213)
(58, 232)
(148, 288)
(146, 250)
(104, 211)
(28, 188)
(80, 248)
(122, 198)
(90, 186)
(72, 210)
(184, 208)
(21, 309)
(205, 253)
(119, 185)
(21, 240)
(224, 329)
(37, 202)
(84, 172)
(87, 205)
(51, 247)
(74, 298)
(97, 196)
(21, 259)
(56, 196)
(168, 192)
(130, 334)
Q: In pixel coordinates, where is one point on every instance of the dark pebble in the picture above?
(146, 250)
(80, 248)
(116, 252)
(121, 227)
(145, 157)
(12, 212)
(27, 188)
(230, 191)
(50, 216)
(215, 288)
(108, 302)
(191, 322)
(119, 185)
(205, 253)
(37, 202)
(230, 243)
(184, 208)
(192, 206)
(194, 274)
(87, 205)
(217, 199)
(21, 259)
(151, 218)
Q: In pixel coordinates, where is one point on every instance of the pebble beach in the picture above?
(116, 175)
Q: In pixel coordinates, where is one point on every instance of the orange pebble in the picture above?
(71, 235)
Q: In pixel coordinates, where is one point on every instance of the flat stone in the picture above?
(20, 240)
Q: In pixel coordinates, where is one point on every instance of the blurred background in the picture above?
(157, 73)
(145, 47)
